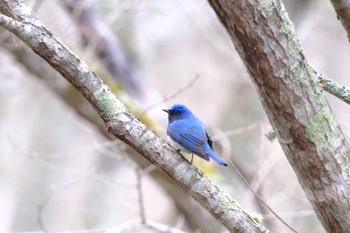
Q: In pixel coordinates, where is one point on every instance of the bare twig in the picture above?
(261, 200)
(130, 226)
(74, 172)
(172, 96)
(294, 214)
(334, 88)
(41, 207)
(236, 131)
(140, 194)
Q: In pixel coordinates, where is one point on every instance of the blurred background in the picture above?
(60, 171)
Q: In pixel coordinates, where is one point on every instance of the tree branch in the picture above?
(202, 219)
(22, 22)
(334, 88)
(130, 226)
(294, 103)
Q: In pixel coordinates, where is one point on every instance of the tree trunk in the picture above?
(294, 103)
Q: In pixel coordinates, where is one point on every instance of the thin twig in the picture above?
(294, 214)
(138, 172)
(129, 226)
(239, 131)
(260, 199)
(41, 207)
(334, 88)
(172, 96)
(236, 131)
(74, 172)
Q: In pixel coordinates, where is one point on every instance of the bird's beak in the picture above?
(166, 110)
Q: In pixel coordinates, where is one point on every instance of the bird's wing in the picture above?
(210, 141)
(193, 139)
(189, 136)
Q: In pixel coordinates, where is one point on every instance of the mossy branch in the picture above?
(21, 21)
(334, 88)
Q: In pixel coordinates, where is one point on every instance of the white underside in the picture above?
(178, 146)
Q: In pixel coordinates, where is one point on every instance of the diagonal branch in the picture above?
(184, 203)
(22, 22)
(334, 88)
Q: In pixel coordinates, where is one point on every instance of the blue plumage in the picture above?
(187, 133)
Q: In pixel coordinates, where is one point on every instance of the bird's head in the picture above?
(177, 111)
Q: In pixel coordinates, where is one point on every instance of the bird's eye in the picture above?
(176, 112)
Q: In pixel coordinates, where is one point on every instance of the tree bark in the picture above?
(21, 21)
(294, 103)
(342, 8)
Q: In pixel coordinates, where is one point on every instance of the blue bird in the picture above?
(187, 133)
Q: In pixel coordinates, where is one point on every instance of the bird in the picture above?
(188, 134)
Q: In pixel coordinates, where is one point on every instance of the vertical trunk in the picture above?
(295, 105)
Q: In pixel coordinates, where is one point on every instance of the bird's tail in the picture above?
(215, 157)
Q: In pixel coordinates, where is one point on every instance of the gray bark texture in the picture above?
(294, 103)
(342, 8)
